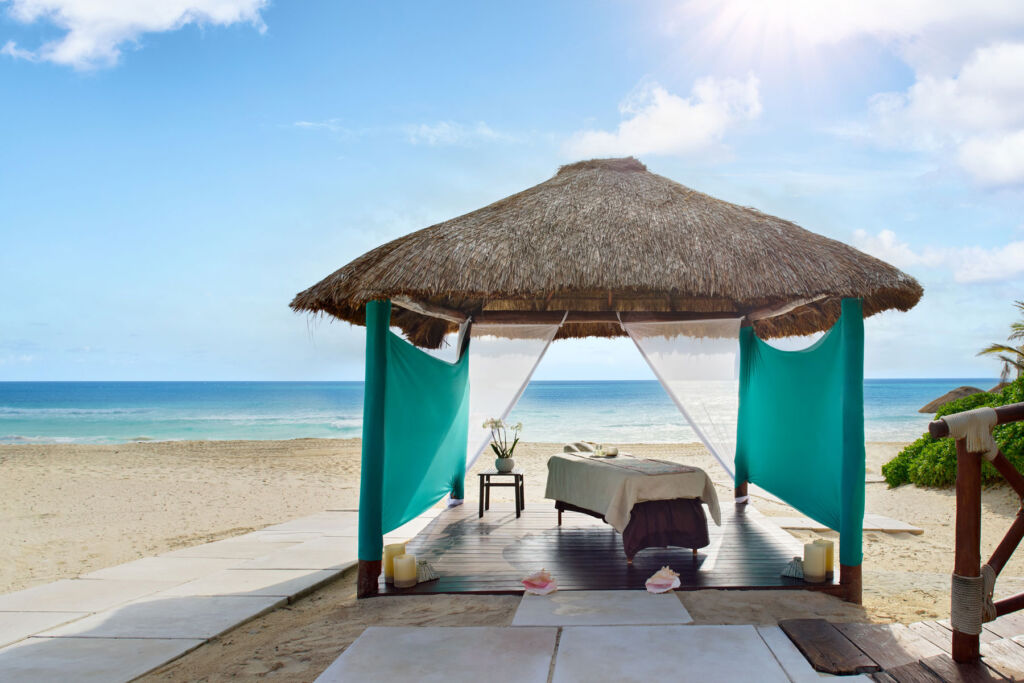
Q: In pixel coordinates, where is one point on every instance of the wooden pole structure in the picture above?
(740, 493)
(967, 558)
(851, 520)
(851, 578)
(371, 473)
(1004, 414)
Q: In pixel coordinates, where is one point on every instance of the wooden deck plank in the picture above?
(890, 645)
(946, 669)
(1006, 657)
(915, 672)
(1007, 626)
(881, 677)
(491, 554)
(934, 633)
(986, 635)
(826, 648)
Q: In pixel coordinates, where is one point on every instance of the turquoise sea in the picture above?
(612, 412)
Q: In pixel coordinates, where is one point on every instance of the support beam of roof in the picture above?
(782, 309)
(429, 310)
(581, 317)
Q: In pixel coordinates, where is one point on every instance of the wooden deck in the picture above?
(912, 653)
(492, 554)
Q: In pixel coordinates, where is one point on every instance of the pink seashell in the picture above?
(540, 583)
(663, 581)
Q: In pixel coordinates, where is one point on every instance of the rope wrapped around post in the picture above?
(971, 601)
(971, 596)
(976, 427)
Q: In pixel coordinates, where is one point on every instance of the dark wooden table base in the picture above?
(518, 483)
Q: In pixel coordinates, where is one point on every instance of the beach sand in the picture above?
(70, 509)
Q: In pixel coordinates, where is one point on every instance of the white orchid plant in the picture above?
(499, 436)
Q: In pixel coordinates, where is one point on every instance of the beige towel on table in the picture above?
(612, 487)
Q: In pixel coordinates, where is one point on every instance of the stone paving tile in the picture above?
(709, 654)
(600, 608)
(87, 660)
(169, 617)
(232, 548)
(80, 595)
(433, 654)
(17, 625)
(289, 583)
(796, 667)
(280, 536)
(334, 552)
(173, 569)
(323, 522)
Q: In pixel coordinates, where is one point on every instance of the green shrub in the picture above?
(932, 462)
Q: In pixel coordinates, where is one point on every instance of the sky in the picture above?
(172, 172)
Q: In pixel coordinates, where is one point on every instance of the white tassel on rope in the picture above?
(975, 426)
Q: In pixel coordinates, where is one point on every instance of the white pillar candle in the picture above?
(391, 551)
(405, 571)
(830, 556)
(814, 563)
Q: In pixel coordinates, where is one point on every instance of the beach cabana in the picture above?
(606, 248)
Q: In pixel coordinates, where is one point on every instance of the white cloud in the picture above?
(934, 36)
(445, 133)
(96, 30)
(997, 160)
(976, 115)
(966, 105)
(11, 49)
(658, 122)
(968, 264)
(886, 246)
(975, 264)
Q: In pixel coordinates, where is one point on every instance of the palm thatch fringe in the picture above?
(607, 235)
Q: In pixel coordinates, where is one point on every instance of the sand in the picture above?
(297, 643)
(70, 509)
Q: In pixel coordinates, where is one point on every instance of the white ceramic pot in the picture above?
(504, 464)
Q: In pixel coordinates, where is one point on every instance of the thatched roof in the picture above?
(949, 396)
(606, 236)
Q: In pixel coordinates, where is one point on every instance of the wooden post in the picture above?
(851, 577)
(740, 493)
(967, 560)
(368, 579)
(371, 471)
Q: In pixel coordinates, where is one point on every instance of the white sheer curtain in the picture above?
(697, 362)
(502, 359)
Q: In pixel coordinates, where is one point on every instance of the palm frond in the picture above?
(1001, 348)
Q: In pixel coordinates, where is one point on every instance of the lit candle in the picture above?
(405, 571)
(830, 557)
(391, 551)
(814, 563)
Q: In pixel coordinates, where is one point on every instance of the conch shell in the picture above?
(540, 583)
(663, 581)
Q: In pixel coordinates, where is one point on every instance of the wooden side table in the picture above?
(518, 483)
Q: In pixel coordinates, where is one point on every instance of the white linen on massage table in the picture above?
(612, 489)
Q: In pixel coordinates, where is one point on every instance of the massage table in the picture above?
(652, 503)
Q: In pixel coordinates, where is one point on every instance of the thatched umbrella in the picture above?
(953, 395)
(602, 237)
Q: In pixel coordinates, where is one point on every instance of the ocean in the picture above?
(609, 412)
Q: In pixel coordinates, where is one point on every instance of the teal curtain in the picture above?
(415, 428)
(800, 433)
